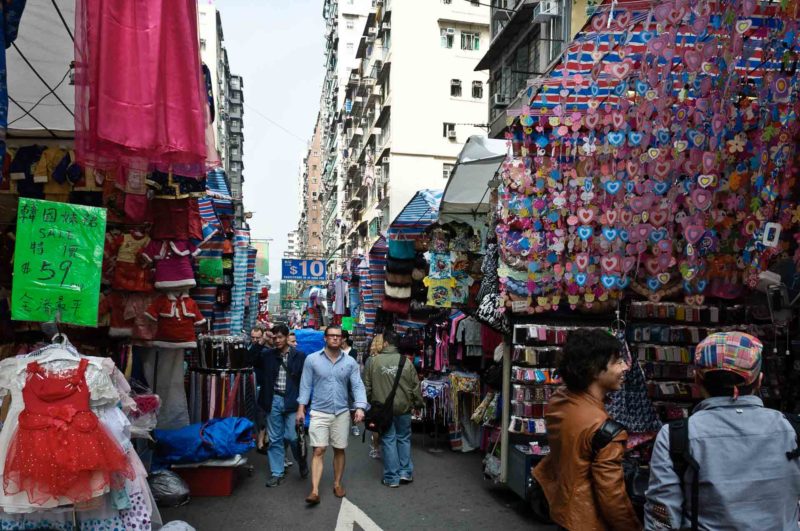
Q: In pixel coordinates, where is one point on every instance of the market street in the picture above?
(448, 493)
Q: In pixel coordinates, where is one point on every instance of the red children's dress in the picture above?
(60, 449)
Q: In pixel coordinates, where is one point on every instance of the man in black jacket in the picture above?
(282, 368)
(254, 352)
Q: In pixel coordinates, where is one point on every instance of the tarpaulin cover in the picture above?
(215, 439)
(419, 214)
(309, 340)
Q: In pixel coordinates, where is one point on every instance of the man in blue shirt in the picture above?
(332, 374)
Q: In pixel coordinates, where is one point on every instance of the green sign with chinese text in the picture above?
(58, 257)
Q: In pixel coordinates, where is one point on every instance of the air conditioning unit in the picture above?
(500, 101)
(372, 31)
(451, 134)
(545, 10)
(386, 26)
(450, 31)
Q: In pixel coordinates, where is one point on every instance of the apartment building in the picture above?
(410, 103)
(228, 100)
(309, 229)
(528, 36)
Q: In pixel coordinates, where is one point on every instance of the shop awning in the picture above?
(219, 192)
(467, 190)
(41, 97)
(419, 214)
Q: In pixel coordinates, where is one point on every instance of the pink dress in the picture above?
(139, 94)
(173, 261)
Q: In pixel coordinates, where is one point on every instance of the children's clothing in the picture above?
(177, 315)
(173, 260)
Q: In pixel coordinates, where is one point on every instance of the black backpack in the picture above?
(380, 414)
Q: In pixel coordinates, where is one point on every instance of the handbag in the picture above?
(489, 312)
(380, 414)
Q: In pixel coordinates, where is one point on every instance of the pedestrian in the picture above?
(293, 339)
(376, 345)
(332, 374)
(347, 346)
(585, 487)
(283, 369)
(379, 379)
(746, 454)
(254, 352)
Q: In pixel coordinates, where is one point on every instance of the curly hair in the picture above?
(585, 355)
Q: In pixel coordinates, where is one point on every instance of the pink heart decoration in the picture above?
(656, 47)
(748, 7)
(633, 168)
(676, 15)
(641, 246)
(611, 217)
(619, 70)
(600, 22)
(664, 261)
(626, 217)
(591, 120)
(659, 217)
(582, 261)
(701, 198)
(618, 119)
(628, 263)
(709, 161)
(662, 168)
(638, 204)
(693, 233)
(700, 24)
(609, 263)
(664, 245)
(652, 266)
(663, 10)
(693, 60)
(586, 215)
(623, 19)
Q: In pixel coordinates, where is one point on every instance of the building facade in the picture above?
(409, 103)
(228, 95)
(309, 229)
(528, 36)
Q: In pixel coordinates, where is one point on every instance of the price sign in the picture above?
(303, 269)
(58, 256)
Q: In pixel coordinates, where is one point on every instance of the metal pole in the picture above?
(506, 414)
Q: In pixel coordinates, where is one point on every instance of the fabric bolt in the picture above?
(239, 291)
(144, 104)
(173, 263)
(176, 315)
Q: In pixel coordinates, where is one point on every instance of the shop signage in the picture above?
(294, 269)
(347, 323)
(58, 256)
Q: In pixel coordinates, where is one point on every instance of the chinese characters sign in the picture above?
(57, 261)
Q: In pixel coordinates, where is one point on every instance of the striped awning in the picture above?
(373, 294)
(219, 191)
(419, 214)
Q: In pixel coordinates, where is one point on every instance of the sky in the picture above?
(277, 47)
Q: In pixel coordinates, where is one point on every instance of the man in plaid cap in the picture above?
(737, 466)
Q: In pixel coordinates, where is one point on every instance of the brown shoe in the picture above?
(312, 499)
(339, 491)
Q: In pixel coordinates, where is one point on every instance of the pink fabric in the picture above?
(173, 261)
(139, 94)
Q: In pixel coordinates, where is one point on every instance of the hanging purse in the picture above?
(489, 313)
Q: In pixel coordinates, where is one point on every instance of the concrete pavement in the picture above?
(448, 492)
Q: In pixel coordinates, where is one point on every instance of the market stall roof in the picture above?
(41, 97)
(467, 190)
(419, 214)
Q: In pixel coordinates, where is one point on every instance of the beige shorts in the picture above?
(327, 429)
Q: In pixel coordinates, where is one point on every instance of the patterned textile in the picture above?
(736, 352)
(630, 406)
(490, 282)
(241, 242)
(205, 298)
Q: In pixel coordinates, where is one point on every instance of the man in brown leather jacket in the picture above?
(586, 492)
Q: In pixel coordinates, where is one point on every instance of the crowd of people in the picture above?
(322, 395)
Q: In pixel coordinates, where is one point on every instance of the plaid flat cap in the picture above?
(736, 352)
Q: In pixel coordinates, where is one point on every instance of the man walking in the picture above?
(282, 368)
(583, 484)
(254, 352)
(747, 474)
(331, 373)
(379, 377)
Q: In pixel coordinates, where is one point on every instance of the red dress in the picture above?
(60, 449)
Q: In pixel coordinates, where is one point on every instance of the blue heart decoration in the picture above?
(642, 88)
(541, 141)
(610, 233)
(658, 235)
(594, 89)
(630, 187)
(687, 287)
(623, 283)
(608, 281)
(616, 138)
(588, 185)
(635, 138)
(621, 88)
(623, 235)
(701, 285)
(555, 174)
(646, 36)
(585, 232)
(580, 279)
(612, 187)
(553, 216)
(653, 284)
(660, 187)
(663, 136)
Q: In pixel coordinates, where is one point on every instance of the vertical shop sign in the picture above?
(262, 258)
(58, 257)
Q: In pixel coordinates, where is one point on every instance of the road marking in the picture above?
(349, 515)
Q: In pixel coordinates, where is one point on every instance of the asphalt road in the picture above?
(448, 492)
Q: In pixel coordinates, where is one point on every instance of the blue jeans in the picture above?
(281, 427)
(396, 446)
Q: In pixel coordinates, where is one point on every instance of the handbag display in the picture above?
(380, 414)
(489, 313)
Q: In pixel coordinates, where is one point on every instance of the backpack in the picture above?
(380, 414)
(682, 460)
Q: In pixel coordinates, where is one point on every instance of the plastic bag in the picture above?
(168, 488)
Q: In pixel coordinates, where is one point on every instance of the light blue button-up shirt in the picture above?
(331, 382)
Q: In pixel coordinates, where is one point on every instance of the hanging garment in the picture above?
(173, 260)
(630, 406)
(59, 448)
(11, 11)
(129, 275)
(177, 315)
(139, 90)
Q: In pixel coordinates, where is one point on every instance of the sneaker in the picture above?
(406, 481)
(374, 453)
(287, 463)
(274, 481)
(390, 485)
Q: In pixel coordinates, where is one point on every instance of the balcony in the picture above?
(235, 110)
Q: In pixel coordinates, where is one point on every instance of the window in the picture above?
(447, 37)
(447, 169)
(448, 130)
(477, 89)
(455, 88)
(350, 24)
(470, 41)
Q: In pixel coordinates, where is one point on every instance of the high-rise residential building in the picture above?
(344, 22)
(228, 100)
(410, 102)
(309, 229)
(291, 243)
(528, 37)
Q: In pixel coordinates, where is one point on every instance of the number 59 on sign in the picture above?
(303, 269)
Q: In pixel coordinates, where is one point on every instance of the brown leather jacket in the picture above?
(584, 495)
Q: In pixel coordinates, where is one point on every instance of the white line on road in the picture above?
(349, 515)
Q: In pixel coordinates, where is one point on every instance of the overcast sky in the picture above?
(277, 47)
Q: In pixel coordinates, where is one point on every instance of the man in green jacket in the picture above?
(379, 376)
